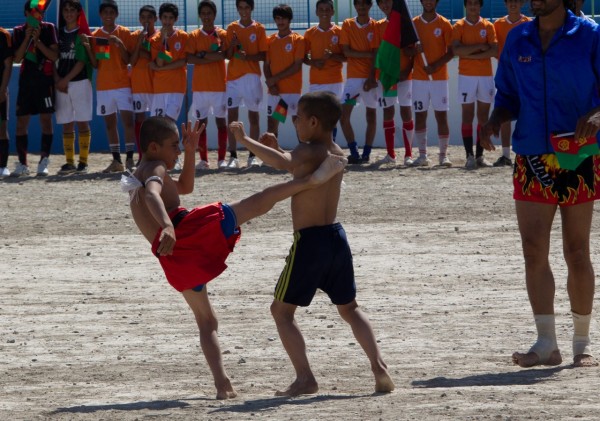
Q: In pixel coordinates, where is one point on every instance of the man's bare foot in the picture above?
(584, 360)
(226, 391)
(297, 388)
(332, 165)
(531, 359)
(383, 382)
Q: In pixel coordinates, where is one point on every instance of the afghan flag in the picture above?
(165, 55)
(146, 44)
(280, 112)
(400, 33)
(351, 101)
(216, 45)
(39, 4)
(102, 48)
(571, 152)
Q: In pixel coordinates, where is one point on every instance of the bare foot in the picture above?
(332, 165)
(531, 359)
(297, 388)
(584, 360)
(383, 382)
(226, 391)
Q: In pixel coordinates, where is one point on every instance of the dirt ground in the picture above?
(90, 330)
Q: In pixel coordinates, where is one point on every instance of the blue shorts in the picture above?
(319, 258)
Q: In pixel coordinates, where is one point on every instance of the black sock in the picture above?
(478, 150)
(22, 142)
(233, 154)
(4, 152)
(117, 157)
(46, 145)
(468, 143)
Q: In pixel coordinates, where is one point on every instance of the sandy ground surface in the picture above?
(89, 329)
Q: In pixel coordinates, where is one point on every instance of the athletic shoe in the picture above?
(178, 165)
(233, 163)
(421, 161)
(253, 161)
(222, 164)
(445, 162)
(386, 160)
(130, 165)
(408, 161)
(202, 165)
(42, 168)
(82, 168)
(365, 159)
(4, 172)
(471, 164)
(20, 169)
(67, 169)
(482, 162)
(503, 162)
(354, 159)
(115, 166)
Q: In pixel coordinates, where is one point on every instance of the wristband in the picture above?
(202, 54)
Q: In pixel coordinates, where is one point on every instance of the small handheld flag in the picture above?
(571, 152)
(165, 54)
(280, 112)
(102, 48)
(352, 101)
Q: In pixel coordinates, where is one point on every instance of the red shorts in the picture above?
(200, 248)
(538, 178)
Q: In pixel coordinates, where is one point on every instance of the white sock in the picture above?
(421, 138)
(546, 340)
(444, 141)
(506, 151)
(581, 336)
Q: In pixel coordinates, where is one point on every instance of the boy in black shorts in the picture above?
(320, 256)
(36, 48)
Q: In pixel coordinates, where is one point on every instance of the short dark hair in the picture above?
(207, 3)
(322, 105)
(369, 2)
(109, 3)
(250, 3)
(148, 8)
(328, 2)
(168, 8)
(156, 129)
(283, 11)
(480, 3)
(75, 4)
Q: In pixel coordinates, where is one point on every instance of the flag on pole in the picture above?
(571, 152)
(400, 33)
(39, 4)
(82, 22)
(280, 112)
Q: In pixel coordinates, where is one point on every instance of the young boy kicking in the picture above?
(192, 246)
(320, 256)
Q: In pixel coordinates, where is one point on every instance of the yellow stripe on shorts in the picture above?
(284, 278)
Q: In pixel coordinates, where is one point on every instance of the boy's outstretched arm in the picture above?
(260, 203)
(275, 158)
(189, 139)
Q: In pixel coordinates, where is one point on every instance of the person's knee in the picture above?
(348, 311)
(576, 255)
(207, 322)
(280, 312)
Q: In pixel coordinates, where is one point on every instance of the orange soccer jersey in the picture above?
(467, 33)
(141, 74)
(281, 54)
(175, 80)
(253, 40)
(317, 41)
(112, 72)
(503, 26)
(381, 26)
(359, 38)
(210, 77)
(435, 37)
